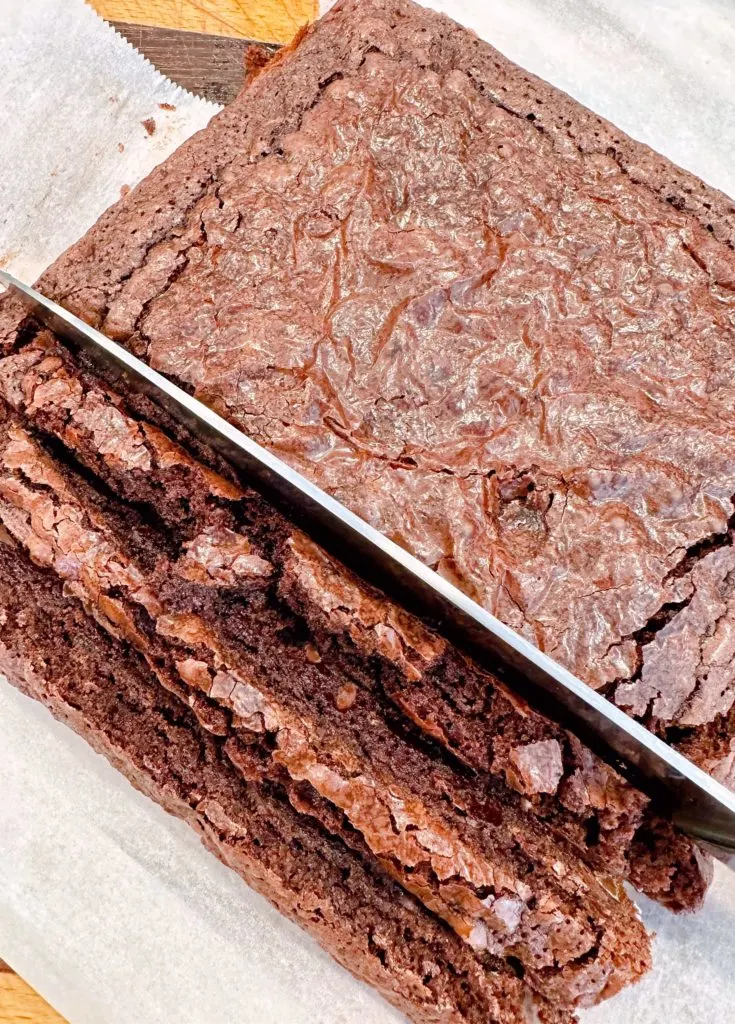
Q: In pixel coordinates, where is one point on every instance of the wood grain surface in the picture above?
(214, 68)
(274, 21)
(19, 1004)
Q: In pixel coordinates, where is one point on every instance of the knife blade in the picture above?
(211, 66)
(699, 804)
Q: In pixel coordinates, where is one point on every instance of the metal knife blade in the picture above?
(698, 803)
(211, 66)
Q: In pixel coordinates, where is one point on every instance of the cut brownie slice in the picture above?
(478, 314)
(53, 651)
(467, 856)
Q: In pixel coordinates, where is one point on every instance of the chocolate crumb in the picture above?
(120, 147)
(312, 654)
(346, 697)
(167, 106)
(255, 59)
(539, 766)
(149, 124)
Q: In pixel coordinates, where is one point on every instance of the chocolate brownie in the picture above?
(498, 329)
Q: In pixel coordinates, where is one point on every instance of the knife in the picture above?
(700, 805)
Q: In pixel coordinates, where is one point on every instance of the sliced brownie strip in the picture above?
(469, 862)
(53, 651)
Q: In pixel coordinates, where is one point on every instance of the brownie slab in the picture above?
(208, 553)
(496, 328)
(211, 624)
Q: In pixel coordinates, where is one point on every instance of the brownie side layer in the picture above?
(339, 622)
(52, 650)
(469, 863)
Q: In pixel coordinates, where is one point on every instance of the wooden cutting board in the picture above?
(198, 44)
(19, 1004)
(274, 21)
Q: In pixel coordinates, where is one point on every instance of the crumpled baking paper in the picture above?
(109, 907)
(73, 99)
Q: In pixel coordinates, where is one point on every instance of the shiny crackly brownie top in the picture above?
(507, 355)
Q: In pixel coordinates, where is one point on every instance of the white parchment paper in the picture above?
(110, 908)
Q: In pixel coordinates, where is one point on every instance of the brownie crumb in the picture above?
(255, 59)
(539, 766)
(149, 124)
(312, 654)
(167, 106)
(346, 697)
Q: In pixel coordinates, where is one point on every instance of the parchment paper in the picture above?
(110, 908)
